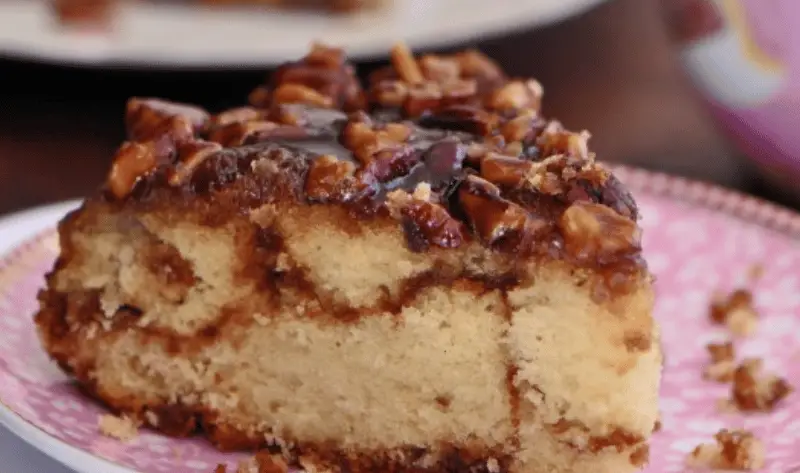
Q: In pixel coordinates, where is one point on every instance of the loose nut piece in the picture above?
(517, 95)
(405, 64)
(295, 93)
(736, 311)
(734, 450)
(595, 232)
(751, 392)
(145, 117)
(191, 155)
(722, 364)
(132, 162)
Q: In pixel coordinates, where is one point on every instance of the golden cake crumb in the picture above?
(122, 428)
(734, 450)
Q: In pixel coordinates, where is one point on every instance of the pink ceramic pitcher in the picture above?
(744, 58)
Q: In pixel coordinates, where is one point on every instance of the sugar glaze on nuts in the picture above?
(447, 146)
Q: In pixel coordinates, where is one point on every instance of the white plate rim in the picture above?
(79, 460)
(94, 52)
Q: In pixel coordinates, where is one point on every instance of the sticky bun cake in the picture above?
(420, 273)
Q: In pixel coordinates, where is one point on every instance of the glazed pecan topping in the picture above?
(148, 118)
(593, 231)
(492, 216)
(132, 162)
(190, 155)
(447, 145)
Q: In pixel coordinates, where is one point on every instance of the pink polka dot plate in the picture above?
(697, 238)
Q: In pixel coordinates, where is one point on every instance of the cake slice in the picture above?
(418, 274)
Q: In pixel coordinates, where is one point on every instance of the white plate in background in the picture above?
(187, 36)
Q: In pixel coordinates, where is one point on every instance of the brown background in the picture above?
(612, 70)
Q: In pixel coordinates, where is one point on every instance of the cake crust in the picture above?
(422, 274)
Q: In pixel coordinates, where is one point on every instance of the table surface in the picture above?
(612, 71)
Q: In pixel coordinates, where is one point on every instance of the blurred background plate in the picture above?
(189, 36)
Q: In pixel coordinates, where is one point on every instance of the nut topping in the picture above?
(132, 162)
(440, 69)
(451, 145)
(405, 64)
(425, 222)
(190, 156)
(505, 170)
(295, 93)
(237, 133)
(147, 118)
(492, 216)
(594, 231)
(236, 115)
(517, 95)
(329, 179)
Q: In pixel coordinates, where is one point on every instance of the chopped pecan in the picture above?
(364, 141)
(422, 97)
(132, 162)
(736, 311)
(236, 133)
(720, 351)
(148, 118)
(330, 179)
(751, 392)
(389, 163)
(477, 65)
(519, 128)
(405, 64)
(390, 93)
(190, 155)
(492, 216)
(734, 450)
(517, 95)
(440, 69)
(326, 56)
(236, 115)
(296, 93)
(425, 223)
(465, 118)
(555, 140)
(596, 232)
(505, 170)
